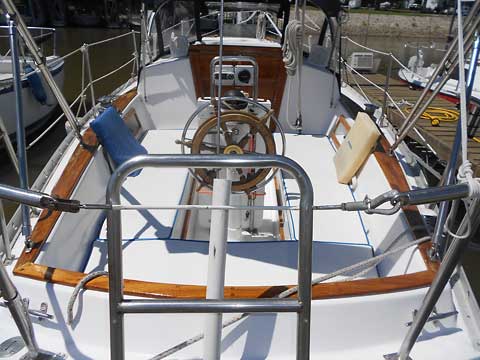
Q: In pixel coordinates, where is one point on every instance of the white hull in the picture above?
(33, 110)
(421, 76)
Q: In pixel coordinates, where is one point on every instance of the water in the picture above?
(105, 58)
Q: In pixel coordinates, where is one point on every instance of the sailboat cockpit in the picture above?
(239, 138)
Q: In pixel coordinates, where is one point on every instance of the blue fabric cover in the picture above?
(116, 137)
(36, 85)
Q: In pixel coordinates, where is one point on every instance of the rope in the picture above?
(110, 39)
(315, 26)
(449, 219)
(76, 291)
(261, 30)
(374, 85)
(249, 18)
(360, 265)
(293, 35)
(112, 72)
(436, 115)
(272, 23)
(465, 174)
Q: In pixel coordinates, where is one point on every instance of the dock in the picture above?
(440, 137)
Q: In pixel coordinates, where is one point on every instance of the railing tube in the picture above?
(19, 313)
(439, 238)
(411, 120)
(135, 49)
(448, 265)
(86, 55)
(21, 147)
(54, 50)
(409, 124)
(6, 239)
(385, 90)
(471, 79)
(114, 233)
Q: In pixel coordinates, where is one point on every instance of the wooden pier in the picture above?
(440, 137)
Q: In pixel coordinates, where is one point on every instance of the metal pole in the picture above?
(471, 76)
(8, 145)
(411, 120)
(439, 238)
(305, 267)
(41, 64)
(19, 313)
(409, 124)
(54, 46)
(199, 306)
(135, 51)
(385, 90)
(86, 55)
(6, 239)
(115, 276)
(217, 253)
(448, 265)
(114, 234)
(21, 147)
(144, 40)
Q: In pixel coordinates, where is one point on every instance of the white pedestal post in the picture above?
(217, 252)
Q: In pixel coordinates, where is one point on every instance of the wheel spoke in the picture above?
(267, 115)
(226, 134)
(244, 141)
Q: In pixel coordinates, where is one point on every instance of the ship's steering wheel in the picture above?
(241, 132)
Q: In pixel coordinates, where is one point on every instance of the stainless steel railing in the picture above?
(120, 306)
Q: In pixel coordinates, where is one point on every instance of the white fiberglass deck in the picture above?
(151, 252)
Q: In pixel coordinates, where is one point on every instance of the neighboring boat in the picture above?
(57, 12)
(361, 312)
(85, 18)
(38, 100)
(418, 76)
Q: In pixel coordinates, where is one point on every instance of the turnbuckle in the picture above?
(371, 206)
(413, 197)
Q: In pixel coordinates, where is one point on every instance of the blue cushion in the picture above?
(36, 85)
(116, 137)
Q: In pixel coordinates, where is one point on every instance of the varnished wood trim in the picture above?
(164, 290)
(63, 189)
(396, 178)
(272, 74)
(67, 182)
(340, 120)
(123, 100)
(392, 170)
